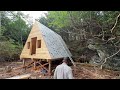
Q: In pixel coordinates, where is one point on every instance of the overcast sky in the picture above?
(34, 14)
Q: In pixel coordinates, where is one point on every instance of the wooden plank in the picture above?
(25, 66)
(23, 62)
(42, 65)
(29, 64)
(49, 66)
(34, 64)
(18, 68)
(26, 76)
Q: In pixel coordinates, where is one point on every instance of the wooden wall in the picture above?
(41, 53)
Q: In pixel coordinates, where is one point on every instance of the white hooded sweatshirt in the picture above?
(63, 71)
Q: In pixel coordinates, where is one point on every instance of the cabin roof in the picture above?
(54, 42)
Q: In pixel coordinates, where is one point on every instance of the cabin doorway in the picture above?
(33, 45)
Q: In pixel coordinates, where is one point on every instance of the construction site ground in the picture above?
(82, 71)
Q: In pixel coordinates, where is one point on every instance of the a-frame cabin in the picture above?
(45, 44)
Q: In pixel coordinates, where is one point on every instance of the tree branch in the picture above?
(109, 57)
(113, 54)
(115, 23)
(74, 23)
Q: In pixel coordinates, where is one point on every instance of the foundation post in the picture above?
(49, 67)
(34, 64)
(24, 64)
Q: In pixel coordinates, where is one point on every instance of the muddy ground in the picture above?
(82, 71)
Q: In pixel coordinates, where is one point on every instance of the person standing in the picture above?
(63, 71)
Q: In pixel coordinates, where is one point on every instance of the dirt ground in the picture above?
(82, 71)
(86, 71)
(4, 73)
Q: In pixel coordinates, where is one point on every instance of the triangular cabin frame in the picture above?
(43, 43)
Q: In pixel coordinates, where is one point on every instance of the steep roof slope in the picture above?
(55, 44)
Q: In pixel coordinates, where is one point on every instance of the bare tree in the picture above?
(115, 23)
(0, 22)
(108, 58)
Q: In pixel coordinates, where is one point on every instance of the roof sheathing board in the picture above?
(54, 45)
(66, 49)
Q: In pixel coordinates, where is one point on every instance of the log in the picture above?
(26, 76)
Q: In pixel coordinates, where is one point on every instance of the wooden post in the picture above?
(34, 64)
(24, 64)
(49, 67)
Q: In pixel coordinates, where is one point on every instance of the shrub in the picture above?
(9, 51)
